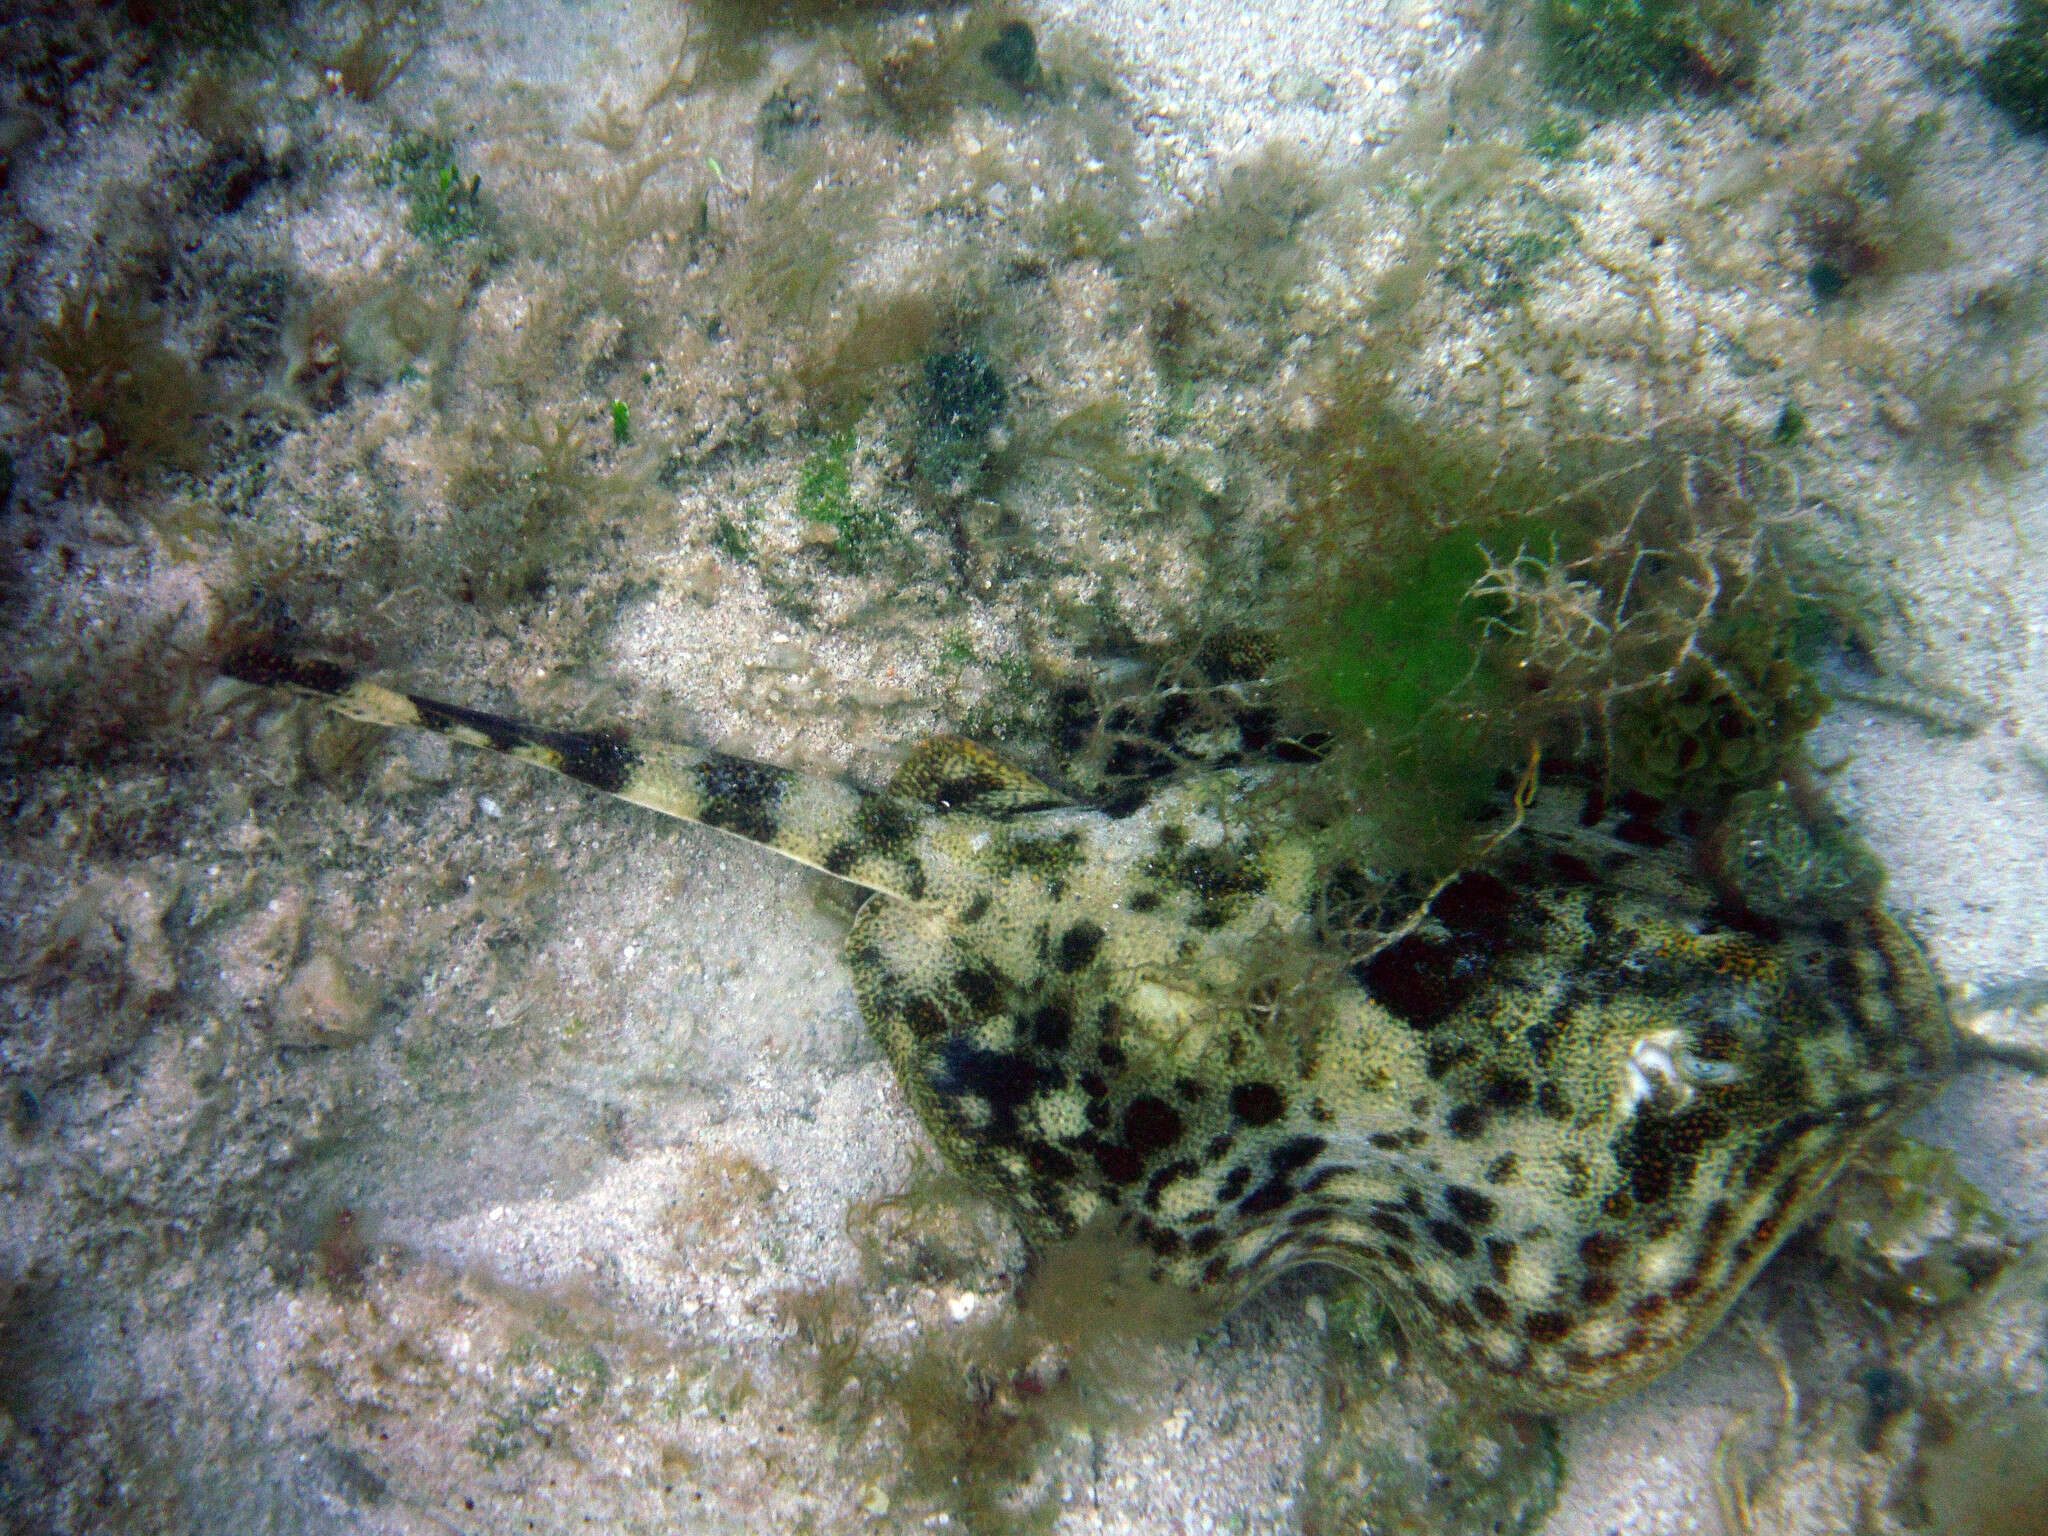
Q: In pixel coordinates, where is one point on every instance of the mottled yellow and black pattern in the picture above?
(1560, 1120)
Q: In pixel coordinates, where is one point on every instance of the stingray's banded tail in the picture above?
(864, 837)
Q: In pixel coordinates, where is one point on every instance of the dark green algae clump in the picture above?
(961, 404)
(2014, 74)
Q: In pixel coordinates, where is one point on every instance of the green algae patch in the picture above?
(734, 537)
(1493, 250)
(1404, 673)
(1557, 138)
(1617, 54)
(1391, 657)
(443, 207)
(232, 28)
(824, 495)
(824, 486)
(1384, 633)
(546, 1383)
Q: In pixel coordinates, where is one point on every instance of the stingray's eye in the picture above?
(1700, 1069)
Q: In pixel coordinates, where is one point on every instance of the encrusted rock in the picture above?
(106, 964)
(321, 1005)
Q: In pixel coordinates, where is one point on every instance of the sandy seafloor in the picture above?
(614, 1120)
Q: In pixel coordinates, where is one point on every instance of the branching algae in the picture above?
(1559, 1114)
